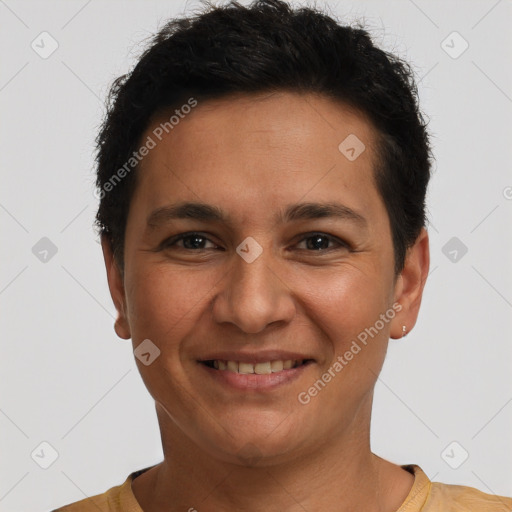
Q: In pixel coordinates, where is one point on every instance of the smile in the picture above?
(263, 368)
(256, 377)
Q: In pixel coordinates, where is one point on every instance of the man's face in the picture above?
(317, 284)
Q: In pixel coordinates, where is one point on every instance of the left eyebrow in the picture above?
(306, 211)
(294, 212)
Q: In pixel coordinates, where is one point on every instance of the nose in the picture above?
(254, 295)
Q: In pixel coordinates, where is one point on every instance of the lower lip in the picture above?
(247, 381)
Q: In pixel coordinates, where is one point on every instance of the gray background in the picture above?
(69, 381)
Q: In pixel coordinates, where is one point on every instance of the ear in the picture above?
(409, 285)
(116, 286)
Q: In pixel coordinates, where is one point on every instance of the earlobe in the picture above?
(121, 328)
(410, 284)
(116, 287)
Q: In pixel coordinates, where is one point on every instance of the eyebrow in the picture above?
(294, 212)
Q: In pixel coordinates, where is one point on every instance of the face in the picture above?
(252, 276)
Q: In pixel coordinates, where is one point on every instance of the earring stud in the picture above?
(404, 331)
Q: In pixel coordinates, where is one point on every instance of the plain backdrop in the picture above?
(445, 392)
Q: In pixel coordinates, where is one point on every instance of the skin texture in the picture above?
(227, 449)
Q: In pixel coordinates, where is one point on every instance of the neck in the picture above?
(340, 474)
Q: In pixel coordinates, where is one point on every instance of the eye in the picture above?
(191, 241)
(315, 242)
(319, 241)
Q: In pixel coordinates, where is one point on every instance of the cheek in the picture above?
(162, 306)
(166, 303)
(344, 300)
(348, 310)
(358, 348)
(162, 302)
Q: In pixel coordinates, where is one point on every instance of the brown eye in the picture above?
(319, 242)
(191, 241)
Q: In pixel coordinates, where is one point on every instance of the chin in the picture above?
(257, 445)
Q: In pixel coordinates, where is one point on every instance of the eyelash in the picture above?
(173, 240)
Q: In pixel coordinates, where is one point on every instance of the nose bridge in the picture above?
(253, 296)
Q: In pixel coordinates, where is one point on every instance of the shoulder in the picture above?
(462, 498)
(116, 499)
(99, 503)
(94, 503)
(429, 496)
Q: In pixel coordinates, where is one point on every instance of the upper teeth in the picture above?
(258, 368)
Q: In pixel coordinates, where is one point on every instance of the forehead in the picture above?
(254, 152)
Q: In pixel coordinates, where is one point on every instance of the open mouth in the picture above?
(263, 368)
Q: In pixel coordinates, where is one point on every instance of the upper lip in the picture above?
(261, 356)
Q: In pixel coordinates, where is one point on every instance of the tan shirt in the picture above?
(424, 496)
